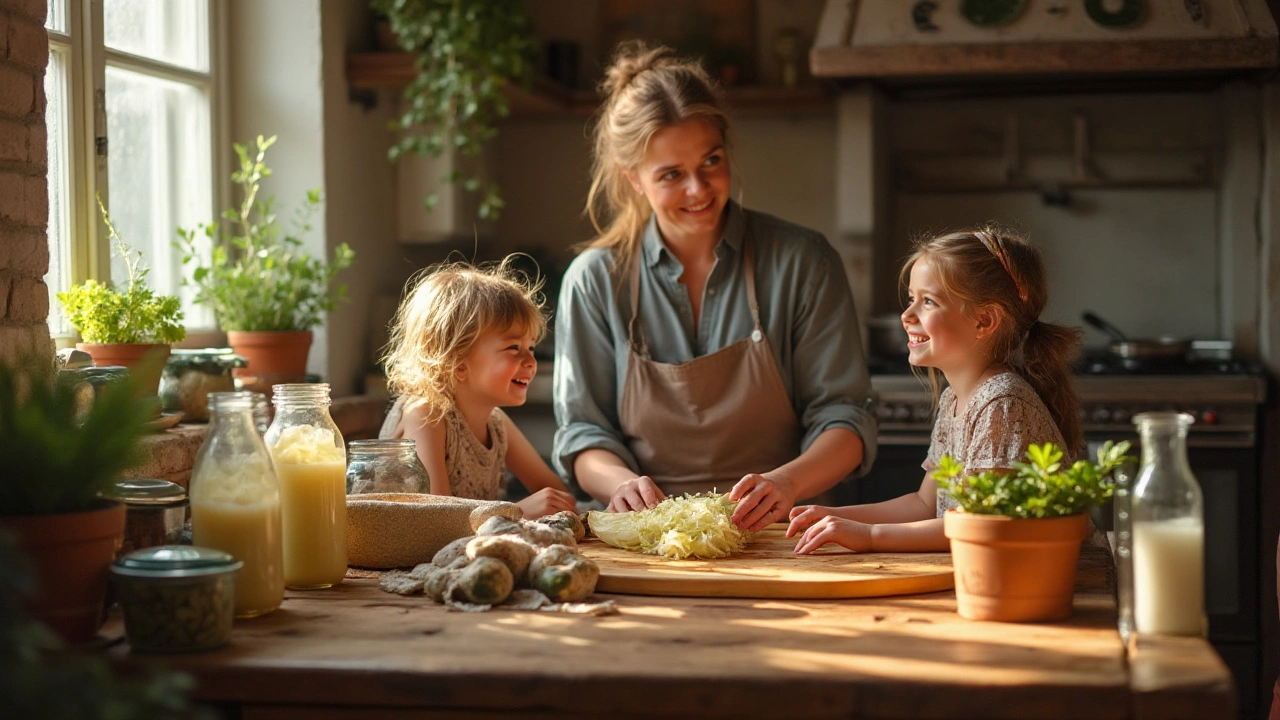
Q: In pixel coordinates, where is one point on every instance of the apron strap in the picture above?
(634, 337)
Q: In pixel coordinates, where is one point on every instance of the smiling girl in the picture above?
(462, 347)
(973, 314)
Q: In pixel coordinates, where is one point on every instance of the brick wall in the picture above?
(24, 199)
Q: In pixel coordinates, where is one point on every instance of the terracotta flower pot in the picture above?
(1014, 569)
(144, 360)
(71, 554)
(271, 353)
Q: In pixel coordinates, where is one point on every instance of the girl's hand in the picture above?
(850, 534)
(547, 501)
(762, 500)
(802, 516)
(639, 494)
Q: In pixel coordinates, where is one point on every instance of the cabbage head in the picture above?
(689, 526)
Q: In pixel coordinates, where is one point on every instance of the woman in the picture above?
(699, 345)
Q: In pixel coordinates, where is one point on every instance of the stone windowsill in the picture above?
(170, 455)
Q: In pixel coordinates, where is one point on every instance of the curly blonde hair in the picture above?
(446, 309)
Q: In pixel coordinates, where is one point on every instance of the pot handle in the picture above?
(1096, 320)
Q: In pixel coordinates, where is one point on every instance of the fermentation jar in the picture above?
(191, 375)
(235, 502)
(176, 598)
(385, 466)
(311, 462)
(1166, 532)
(155, 513)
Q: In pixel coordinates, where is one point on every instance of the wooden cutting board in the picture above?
(769, 568)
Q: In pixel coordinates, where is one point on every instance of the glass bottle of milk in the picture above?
(1167, 531)
(235, 502)
(311, 462)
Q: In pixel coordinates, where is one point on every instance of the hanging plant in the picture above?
(466, 53)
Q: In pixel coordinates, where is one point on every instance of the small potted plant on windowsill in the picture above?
(56, 483)
(1015, 539)
(133, 327)
(266, 291)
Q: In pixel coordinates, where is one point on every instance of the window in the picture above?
(131, 95)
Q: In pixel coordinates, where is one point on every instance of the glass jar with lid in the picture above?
(190, 375)
(311, 462)
(385, 466)
(155, 511)
(235, 502)
(176, 598)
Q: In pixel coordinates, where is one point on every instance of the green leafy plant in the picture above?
(258, 277)
(107, 316)
(57, 458)
(1040, 488)
(466, 53)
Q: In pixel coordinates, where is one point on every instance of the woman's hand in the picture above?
(638, 494)
(762, 500)
(803, 516)
(547, 501)
(851, 534)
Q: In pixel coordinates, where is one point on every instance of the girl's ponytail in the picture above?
(1048, 352)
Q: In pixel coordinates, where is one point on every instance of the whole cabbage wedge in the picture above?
(689, 526)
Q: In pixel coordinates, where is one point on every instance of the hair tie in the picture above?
(994, 245)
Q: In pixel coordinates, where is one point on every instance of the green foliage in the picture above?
(41, 680)
(259, 278)
(467, 52)
(1041, 488)
(55, 460)
(137, 315)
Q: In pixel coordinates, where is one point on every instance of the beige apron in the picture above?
(706, 423)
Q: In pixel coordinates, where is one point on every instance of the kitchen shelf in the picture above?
(548, 98)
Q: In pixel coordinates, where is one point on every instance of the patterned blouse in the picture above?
(1002, 419)
(475, 471)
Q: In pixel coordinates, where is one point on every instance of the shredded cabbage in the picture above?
(698, 526)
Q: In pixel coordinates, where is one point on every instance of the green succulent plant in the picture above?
(1040, 488)
(258, 277)
(136, 315)
(58, 458)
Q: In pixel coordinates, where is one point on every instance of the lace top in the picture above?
(993, 430)
(475, 471)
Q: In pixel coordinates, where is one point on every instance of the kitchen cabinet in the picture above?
(353, 651)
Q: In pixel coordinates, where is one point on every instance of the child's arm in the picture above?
(549, 494)
(908, 523)
(918, 505)
(429, 441)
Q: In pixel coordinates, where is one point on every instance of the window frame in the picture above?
(87, 168)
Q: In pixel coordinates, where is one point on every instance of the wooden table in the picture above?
(356, 652)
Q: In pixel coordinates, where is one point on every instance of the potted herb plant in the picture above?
(465, 56)
(132, 328)
(59, 471)
(266, 291)
(1015, 539)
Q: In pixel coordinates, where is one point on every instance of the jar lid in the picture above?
(175, 561)
(149, 491)
(219, 357)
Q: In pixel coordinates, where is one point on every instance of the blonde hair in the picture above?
(991, 267)
(645, 89)
(446, 309)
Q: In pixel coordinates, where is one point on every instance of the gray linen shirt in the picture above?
(805, 307)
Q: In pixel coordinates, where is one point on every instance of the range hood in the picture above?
(932, 38)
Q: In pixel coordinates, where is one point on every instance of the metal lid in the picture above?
(175, 561)
(149, 491)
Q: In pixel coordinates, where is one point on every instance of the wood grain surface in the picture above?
(769, 568)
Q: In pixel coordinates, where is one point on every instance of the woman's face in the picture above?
(685, 177)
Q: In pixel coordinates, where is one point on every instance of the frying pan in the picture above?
(1152, 349)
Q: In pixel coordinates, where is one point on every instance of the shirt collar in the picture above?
(734, 227)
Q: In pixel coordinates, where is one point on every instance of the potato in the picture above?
(568, 583)
(451, 552)
(536, 533)
(514, 551)
(568, 521)
(485, 581)
(549, 556)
